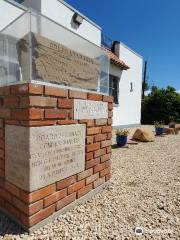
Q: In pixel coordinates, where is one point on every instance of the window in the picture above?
(114, 88)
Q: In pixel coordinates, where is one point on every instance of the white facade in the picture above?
(128, 111)
(8, 13)
(62, 13)
(57, 10)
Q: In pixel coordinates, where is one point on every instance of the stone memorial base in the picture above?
(55, 150)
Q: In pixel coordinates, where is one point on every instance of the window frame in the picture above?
(114, 89)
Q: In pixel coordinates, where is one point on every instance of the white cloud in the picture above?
(178, 91)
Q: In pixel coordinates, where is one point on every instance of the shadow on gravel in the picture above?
(8, 226)
(114, 146)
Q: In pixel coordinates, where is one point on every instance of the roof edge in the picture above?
(123, 67)
(115, 59)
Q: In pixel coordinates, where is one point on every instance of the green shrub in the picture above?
(161, 105)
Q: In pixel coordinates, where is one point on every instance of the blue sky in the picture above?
(150, 27)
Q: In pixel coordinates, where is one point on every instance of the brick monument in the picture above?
(55, 150)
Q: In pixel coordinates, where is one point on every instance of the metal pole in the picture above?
(144, 80)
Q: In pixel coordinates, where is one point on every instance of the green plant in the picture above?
(160, 105)
(122, 132)
(158, 124)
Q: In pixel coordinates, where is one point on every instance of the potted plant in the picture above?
(159, 127)
(121, 137)
(172, 123)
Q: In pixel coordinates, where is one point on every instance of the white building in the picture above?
(126, 86)
(125, 71)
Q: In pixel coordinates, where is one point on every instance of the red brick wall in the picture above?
(38, 105)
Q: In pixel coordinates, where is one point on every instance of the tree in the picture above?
(161, 105)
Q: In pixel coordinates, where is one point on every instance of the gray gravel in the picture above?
(144, 193)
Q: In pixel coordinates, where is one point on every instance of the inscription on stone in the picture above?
(88, 109)
(55, 63)
(39, 156)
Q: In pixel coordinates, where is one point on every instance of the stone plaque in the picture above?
(88, 109)
(55, 63)
(39, 156)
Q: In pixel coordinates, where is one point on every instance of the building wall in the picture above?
(128, 112)
(62, 13)
(8, 13)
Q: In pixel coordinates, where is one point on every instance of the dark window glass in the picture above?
(114, 88)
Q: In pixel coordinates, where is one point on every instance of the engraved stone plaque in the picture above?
(55, 63)
(39, 156)
(88, 109)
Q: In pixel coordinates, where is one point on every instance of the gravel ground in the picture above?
(144, 192)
